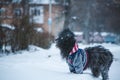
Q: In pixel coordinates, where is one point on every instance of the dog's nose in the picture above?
(56, 39)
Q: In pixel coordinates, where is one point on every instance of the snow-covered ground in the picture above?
(40, 64)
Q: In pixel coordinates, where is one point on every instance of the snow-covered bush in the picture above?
(43, 39)
(22, 34)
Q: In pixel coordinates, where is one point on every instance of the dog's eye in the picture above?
(68, 35)
(61, 38)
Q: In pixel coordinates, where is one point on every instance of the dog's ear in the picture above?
(70, 33)
(66, 29)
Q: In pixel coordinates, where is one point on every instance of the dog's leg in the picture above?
(104, 74)
(105, 69)
(95, 71)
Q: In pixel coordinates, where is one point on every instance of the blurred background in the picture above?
(38, 22)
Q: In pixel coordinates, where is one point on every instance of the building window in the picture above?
(37, 14)
(2, 11)
(35, 11)
(17, 12)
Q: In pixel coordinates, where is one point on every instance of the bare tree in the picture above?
(77, 14)
(23, 30)
(91, 15)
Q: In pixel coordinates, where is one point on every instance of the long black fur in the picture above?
(99, 58)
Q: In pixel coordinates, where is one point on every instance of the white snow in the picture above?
(78, 33)
(14, 1)
(8, 26)
(39, 30)
(74, 17)
(42, 2)
(40, 64)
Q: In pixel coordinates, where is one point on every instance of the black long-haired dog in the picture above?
(97, 58)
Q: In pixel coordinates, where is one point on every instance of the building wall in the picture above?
(7, 14)
(57, 18)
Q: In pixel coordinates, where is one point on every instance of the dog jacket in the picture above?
(77, 60)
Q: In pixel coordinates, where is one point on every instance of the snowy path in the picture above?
(38, 65)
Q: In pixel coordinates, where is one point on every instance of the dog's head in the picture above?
(65, 42)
